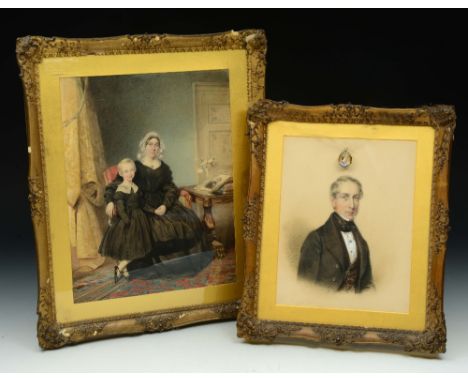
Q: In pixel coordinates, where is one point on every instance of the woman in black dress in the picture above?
(173, 227)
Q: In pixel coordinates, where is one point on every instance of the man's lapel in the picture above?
(362, 250)
(334, 244)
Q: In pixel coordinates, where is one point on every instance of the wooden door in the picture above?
(213, 126)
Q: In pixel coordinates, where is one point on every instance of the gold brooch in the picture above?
(345, 159)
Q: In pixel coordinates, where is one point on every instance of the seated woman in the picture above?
(174, 227)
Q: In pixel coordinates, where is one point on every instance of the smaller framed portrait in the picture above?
(346, 225)
(138, 163)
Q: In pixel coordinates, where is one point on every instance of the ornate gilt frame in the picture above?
(432, 339)
(31, 52)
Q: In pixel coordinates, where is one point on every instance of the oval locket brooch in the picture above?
(345, 159)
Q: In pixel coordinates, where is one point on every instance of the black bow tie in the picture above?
(343, 225)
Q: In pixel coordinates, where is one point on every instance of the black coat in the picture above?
(325, 260)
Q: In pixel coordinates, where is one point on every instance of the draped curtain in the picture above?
(84, 167)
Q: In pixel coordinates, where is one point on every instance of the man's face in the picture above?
(346, 202)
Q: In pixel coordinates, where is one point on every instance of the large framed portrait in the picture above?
(346, 225)
(138, 176)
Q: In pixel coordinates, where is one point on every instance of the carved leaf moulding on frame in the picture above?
(36, 198)
(250, 219)
(31, 51)
(430, 341)
(440, 117)
(53, 335)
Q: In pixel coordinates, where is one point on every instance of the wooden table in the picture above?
(207, 200)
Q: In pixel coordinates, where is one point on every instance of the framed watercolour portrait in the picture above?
(124, 133)
(346, 225)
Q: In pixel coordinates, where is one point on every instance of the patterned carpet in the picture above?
(193, 271)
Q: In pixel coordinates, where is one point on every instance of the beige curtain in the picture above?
(84, 166)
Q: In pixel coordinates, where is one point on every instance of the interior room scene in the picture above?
(105, 119)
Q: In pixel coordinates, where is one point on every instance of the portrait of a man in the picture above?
(336, 255)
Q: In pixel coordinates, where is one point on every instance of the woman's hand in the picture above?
(110, 209)
(161, 210)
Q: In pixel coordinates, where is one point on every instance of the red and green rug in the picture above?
(193, 271)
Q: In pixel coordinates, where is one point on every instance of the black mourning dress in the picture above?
(179, 229)
(129, 235)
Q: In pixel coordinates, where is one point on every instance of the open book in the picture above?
(215, 184)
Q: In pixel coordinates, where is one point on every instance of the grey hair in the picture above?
(345, 178)
(144, 142)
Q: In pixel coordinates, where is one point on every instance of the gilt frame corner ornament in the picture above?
(428, 341)
(33, 52)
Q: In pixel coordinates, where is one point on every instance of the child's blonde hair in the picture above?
(125, 161)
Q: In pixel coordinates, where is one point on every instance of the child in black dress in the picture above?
(129, 235)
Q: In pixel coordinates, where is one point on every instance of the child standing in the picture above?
(129, 235)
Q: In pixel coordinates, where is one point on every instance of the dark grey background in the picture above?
(387, 58)
(128, 107)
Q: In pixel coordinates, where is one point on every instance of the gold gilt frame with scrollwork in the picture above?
(34, 53)
(257, 327)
